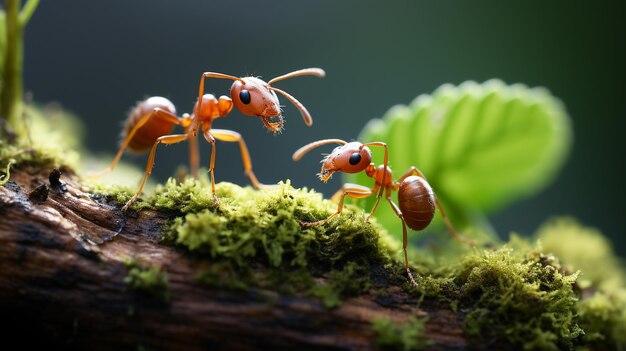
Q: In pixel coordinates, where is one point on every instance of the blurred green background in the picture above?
(99, 58)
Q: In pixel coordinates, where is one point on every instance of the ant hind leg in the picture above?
(168, 117)
(166, 139)
(404, 240)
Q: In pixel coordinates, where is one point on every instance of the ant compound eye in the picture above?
(244, 96)
(355, 158)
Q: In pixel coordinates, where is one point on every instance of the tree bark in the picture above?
(62, 253)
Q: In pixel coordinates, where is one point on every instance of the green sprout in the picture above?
(4, 178)
(12, 23)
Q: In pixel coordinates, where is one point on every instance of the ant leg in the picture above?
(212, 75)
(166, 139)
(412, 171)
(194, 157)
(232, 136)
(380, 193)
(404, 239)
(207, 135)
(382, 181)
(157, 112)
(351, 190)
(451, 229)
(339, 193)
(415, 171)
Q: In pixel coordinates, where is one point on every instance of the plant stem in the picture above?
(12, 84)
(11, 105)
(3, 45)
(27, 11)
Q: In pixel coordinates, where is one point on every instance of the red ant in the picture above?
(415, 196)
(152, 120)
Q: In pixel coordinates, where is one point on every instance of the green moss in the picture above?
(53, 137)
(150, 280)
(188, 196)
(258, 235)
(118, 186)
(525, 299)
(348, 281)
(533, 296)
(602, 308)
(405, 337)
(603, 317)
(546, 296)
(585, 249)
(513, 296)
(226, 275)
(518, 294)
(113, 192)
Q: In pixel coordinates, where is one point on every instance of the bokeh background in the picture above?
(97, 58)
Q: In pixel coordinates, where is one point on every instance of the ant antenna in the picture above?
(318, 72)
(308, 120)
(222, 76)
(310, 146)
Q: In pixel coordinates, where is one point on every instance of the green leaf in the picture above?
(481, 146)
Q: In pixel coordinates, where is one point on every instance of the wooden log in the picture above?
(62, 254)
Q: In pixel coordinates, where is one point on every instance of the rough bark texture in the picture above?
(62, 273)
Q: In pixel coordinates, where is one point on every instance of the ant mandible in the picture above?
(415, 196)
(152, 120)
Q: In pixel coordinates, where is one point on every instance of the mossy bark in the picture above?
(176, 272)
(64, 279)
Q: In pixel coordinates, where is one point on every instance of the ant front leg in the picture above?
(232, 136)
(383, 181)
(166, 139)
(404, 237)
(351, 190)
(416, 172)
(337, 197)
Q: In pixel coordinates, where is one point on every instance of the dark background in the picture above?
(99, 57)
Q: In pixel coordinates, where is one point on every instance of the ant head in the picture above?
(254, 97)
(349, 158)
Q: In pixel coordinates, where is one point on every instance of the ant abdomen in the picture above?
(154, 128)
(417, 202)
